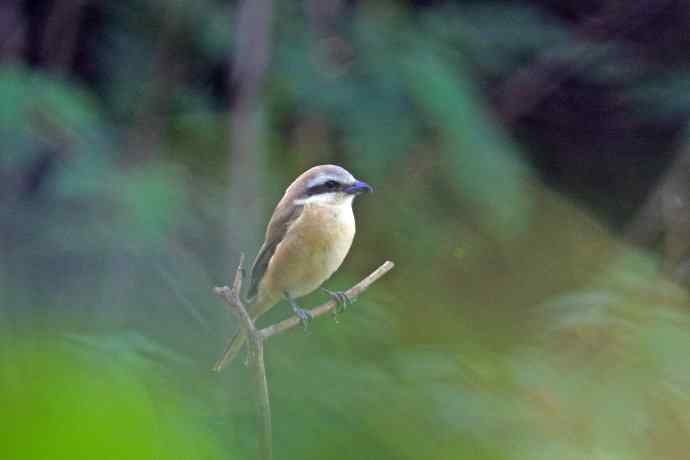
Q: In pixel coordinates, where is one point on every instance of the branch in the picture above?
(255, 342)
(327, 307)
(665, 215)
(255, 346)
(232, 296)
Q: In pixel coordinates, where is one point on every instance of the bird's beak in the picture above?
(359, 187)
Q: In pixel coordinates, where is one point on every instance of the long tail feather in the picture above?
(231, 349)
(234, 345)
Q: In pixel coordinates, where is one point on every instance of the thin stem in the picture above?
(263, 403)
(255, 344)
(256, 359)
(327, 307)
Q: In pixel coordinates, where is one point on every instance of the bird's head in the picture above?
(327, 185)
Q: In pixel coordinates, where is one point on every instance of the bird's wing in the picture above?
(277, 228)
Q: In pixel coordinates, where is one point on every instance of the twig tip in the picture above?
(239, 274)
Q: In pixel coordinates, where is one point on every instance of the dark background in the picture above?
(532, 177)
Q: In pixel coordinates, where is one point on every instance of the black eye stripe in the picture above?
(326, 187)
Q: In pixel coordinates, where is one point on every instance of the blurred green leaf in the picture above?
(63, 404)
(485, 167)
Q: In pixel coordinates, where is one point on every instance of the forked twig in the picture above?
(327, 307)
(255, 347)
(256, 337)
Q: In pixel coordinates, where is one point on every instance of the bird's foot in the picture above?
(304, 316)
(342, 300)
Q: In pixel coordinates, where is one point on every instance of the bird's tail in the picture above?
(234, 345)
(231, 349)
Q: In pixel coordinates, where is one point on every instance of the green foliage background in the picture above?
(516, 325)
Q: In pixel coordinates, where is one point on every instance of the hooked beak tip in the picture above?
(359, 187)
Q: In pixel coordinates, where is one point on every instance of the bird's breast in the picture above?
(312, 250)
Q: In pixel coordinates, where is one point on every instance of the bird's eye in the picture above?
(331, 184)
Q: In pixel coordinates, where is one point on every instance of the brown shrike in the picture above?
(307, 238)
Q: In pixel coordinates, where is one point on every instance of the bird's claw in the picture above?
(342, 300)
(304, 317)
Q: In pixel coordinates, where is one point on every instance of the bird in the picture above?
(307, 238)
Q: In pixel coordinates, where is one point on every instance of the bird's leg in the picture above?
(341, 298)
(304, 316)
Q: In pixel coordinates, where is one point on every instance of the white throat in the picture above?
(327, 199)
